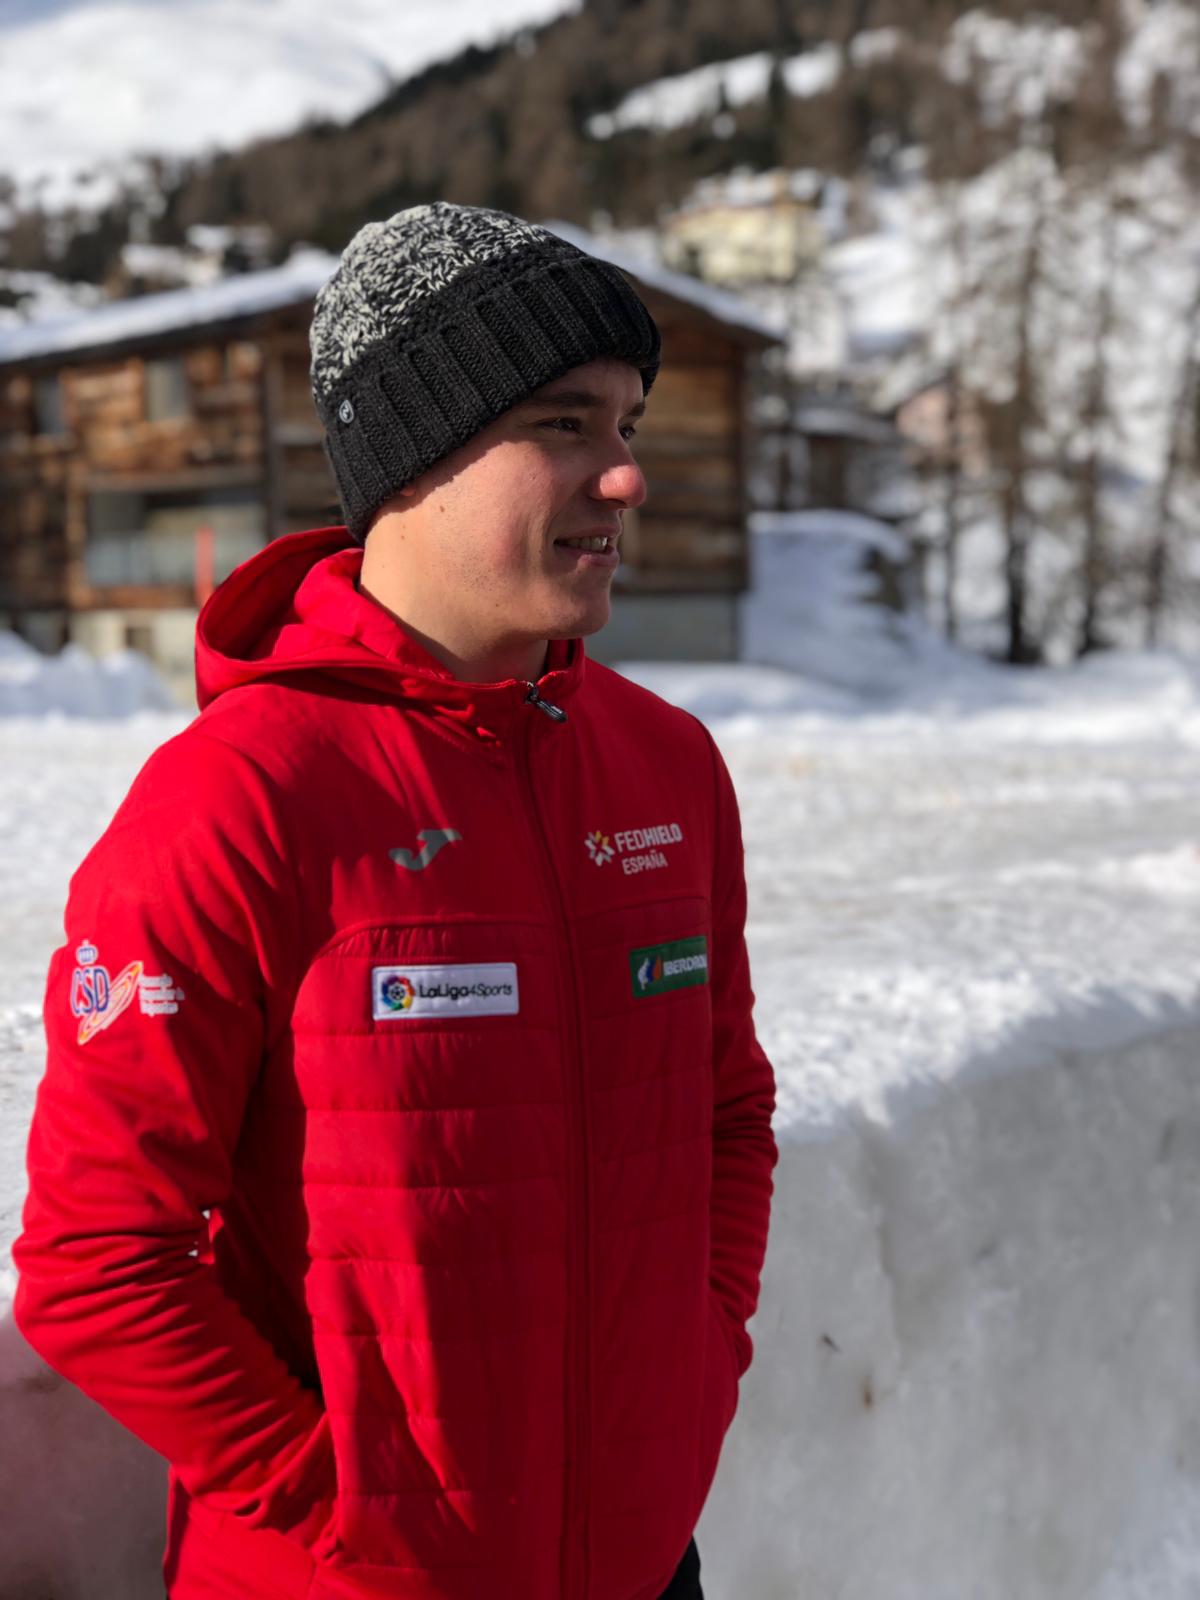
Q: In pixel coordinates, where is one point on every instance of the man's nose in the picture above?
(621, 480)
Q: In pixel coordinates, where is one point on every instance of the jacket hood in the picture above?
(293, 608)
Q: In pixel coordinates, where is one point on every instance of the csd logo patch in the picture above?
(98, 999)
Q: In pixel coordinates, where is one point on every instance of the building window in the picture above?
(48, 406)
(148, 538)
(140, 636)
(166, 390)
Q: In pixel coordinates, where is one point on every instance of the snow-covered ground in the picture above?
(974, 902)
(74, 684)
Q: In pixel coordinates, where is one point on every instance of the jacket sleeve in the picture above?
(158, 1009)
(744, 1148)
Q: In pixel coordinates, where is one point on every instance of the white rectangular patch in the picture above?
(487, 990)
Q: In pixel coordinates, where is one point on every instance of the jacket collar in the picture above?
(295, 607)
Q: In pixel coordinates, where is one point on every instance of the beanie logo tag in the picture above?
(346, 411)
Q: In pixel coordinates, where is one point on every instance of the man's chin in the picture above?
(586, 621)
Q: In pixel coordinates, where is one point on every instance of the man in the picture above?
(402, 1167)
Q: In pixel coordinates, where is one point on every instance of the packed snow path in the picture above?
(973, 934)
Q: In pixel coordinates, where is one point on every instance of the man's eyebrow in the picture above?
(585, 399)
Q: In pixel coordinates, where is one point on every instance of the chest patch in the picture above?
(399, 994)
(677, 965)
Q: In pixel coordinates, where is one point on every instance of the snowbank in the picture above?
(73, 683)
(810, 608)
(976, 1365)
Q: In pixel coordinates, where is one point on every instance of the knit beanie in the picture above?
(441, 318)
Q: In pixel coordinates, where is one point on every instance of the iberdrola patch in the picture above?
(677, 965)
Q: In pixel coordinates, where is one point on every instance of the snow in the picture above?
(805, 612)
(674, 101)
(241, 295)
(169, 263)
(40, 295)
(976, 1369)
(1166, 34)
(874, 44)
(973, 901)
(744, 186)
(1023, 64)
(74, 684)
(87, 84)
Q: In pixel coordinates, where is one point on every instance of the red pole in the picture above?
(204, 565)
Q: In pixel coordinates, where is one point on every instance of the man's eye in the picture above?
(575, 425)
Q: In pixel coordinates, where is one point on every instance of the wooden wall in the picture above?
(304, 494)
(691, 532)
(108, 442)
(252, 422)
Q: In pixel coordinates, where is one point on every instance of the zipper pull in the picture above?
(533, 698)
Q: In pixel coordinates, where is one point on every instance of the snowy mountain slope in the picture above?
(93, 82)
(1020, 65)
(675, 101)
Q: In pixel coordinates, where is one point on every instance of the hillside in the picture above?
(500, 110)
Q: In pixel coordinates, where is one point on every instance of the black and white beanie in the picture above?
(439, 319)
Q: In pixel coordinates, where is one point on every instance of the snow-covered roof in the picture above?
(720, 305)
(246, 294)
(249, 294)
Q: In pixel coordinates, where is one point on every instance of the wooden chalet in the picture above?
(150, 445)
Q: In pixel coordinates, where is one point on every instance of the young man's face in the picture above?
(497, 525)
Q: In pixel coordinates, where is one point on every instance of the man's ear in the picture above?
(391, 503)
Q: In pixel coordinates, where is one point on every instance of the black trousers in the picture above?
(685, 1585)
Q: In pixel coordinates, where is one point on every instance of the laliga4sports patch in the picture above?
(680, 964)
(401, 994)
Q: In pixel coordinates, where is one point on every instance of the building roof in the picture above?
(719, 304)
(152, 318)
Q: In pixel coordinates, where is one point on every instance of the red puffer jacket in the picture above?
(402, 1167)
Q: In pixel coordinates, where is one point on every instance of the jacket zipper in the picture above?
(578, 1394)
(533, 698)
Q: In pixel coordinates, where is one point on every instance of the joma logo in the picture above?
(432, 841)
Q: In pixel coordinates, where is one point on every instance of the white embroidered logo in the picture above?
(158, 996)
(640, 849)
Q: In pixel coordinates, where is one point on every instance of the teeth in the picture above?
(586, 544)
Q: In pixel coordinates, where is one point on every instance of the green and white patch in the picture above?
(680, 964)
